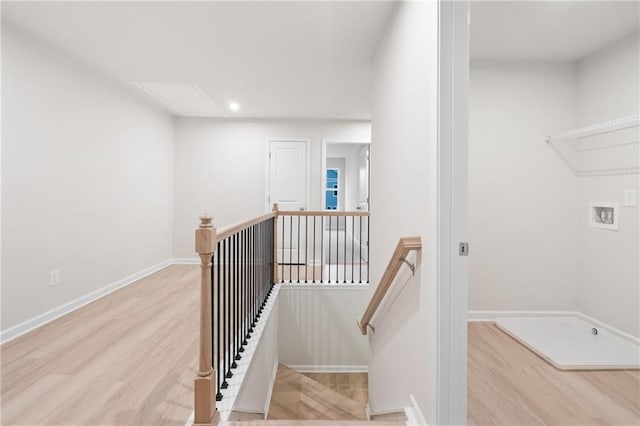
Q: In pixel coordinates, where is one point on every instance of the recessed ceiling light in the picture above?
(233, 106)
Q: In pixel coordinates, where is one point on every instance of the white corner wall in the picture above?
(523, 199)
(403, 348)
(86, 180)
(608, 269)
(220, 168)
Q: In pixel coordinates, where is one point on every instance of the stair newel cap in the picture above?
(205, 235)
(275, 207)
(206, 221)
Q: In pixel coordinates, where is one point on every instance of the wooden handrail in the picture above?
(227, 231)
(321, 213)
(405, 245)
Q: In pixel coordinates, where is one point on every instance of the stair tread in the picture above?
(298, 397)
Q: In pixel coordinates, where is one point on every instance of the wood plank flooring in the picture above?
(128, 358)
(510, 385)
(298, 397)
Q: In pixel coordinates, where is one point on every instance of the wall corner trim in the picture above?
(267, 403)
(414, 414)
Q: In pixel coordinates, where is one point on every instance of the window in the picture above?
(331, 191)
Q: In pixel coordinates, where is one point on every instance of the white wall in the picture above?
(523, 199)
(317, 328)
(220, 168)
(403, 349)
(86, 180)
(608, 271)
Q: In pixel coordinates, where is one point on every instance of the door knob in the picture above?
(301, 209)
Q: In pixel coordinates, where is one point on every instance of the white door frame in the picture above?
(323, 162)
(452, 273)
(267, 170)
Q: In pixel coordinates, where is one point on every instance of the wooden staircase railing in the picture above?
(239, 265)
(405, 245)
(237, 269)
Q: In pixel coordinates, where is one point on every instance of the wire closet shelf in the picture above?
(611, 148)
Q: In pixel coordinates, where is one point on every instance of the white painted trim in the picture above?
(190, 419)
(227, 405)
(367, 412)
(323, 286)
(330, 368)
(42, 319)
(490, 316)
(448, 405)
(267, 403)
(414, 414)
(323, 161)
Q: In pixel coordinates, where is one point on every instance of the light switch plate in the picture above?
(630, 197)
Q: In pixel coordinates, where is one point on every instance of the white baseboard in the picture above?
(273, 381)
(414, 414)
(490, 316)
(330, 368)
(42, 319)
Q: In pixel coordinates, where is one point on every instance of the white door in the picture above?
(288, 181)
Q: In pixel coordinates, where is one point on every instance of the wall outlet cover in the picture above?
(630, 197)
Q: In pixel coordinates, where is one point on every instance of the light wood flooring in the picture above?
(297, 396)
(510, 385)
(128, 358)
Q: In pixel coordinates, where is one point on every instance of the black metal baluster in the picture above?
(229, 349)
(251, 292)
(321, 248)
(236, 330)
(234, 300)
(218, 323)
(353, 237)
(344, 273)
(360, 251)
(337, 235)
(298, 249)
(225, 291)
(329, 259)
(281, 255)
(367, 248)
(290, 247)
(245, 305)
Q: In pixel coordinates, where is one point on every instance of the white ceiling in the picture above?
(276, 59)
(548, 29)
(295, 59)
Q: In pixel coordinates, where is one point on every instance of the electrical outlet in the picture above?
(54, 278)
(630, 198)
